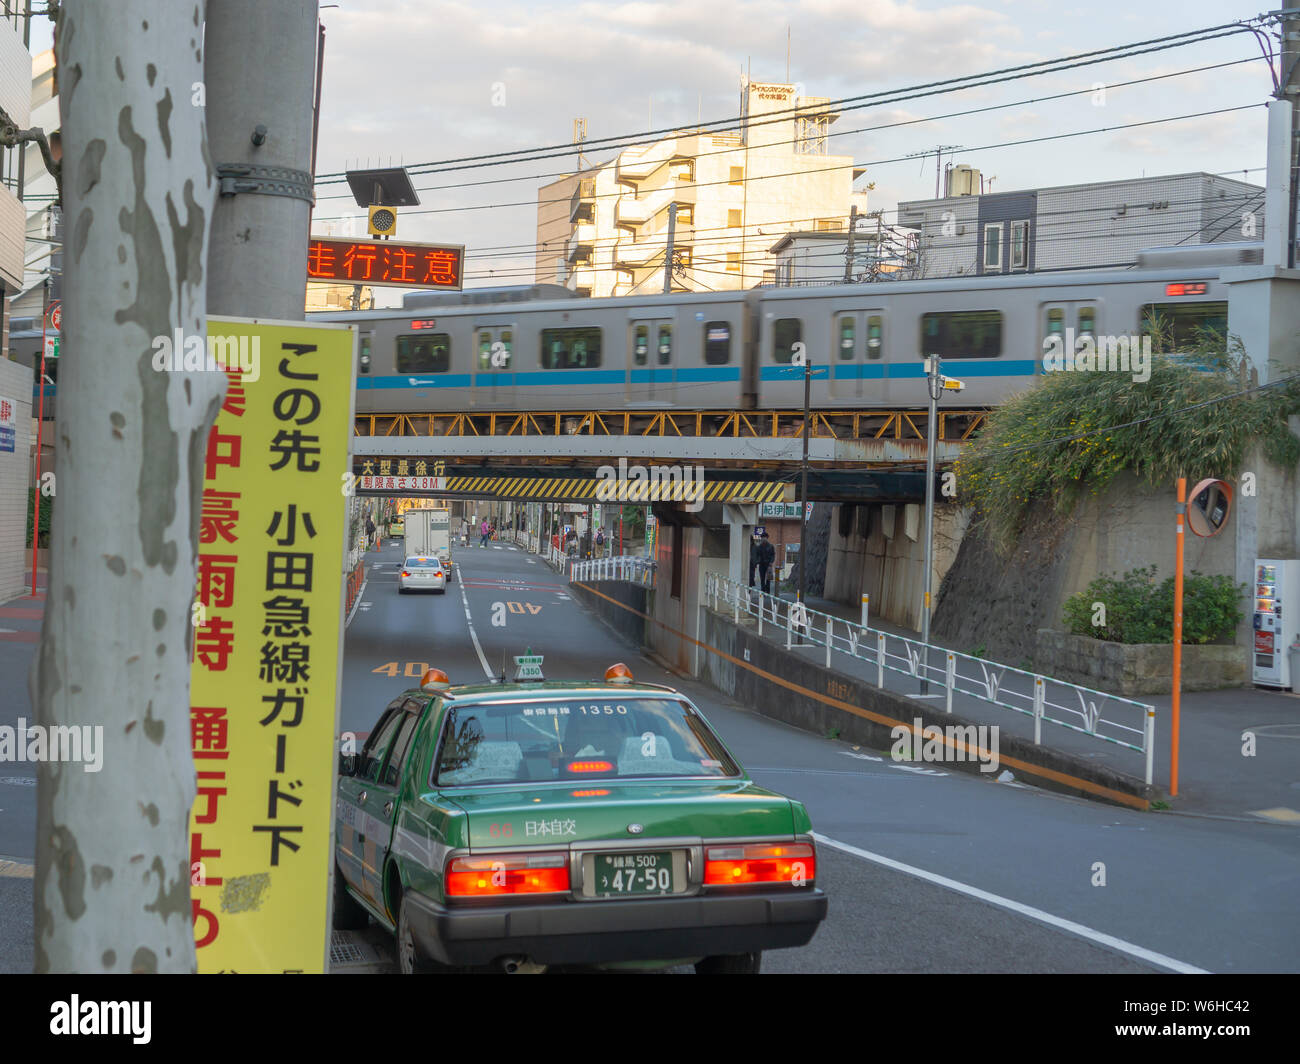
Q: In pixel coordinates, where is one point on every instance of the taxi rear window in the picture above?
(423, 563)
(546, 740)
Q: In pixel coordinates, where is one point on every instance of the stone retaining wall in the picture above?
(1140, 668)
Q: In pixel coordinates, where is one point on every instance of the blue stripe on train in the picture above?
(970, 367)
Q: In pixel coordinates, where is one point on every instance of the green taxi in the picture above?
(536, 824)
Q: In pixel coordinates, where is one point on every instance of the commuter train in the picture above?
(541, 348)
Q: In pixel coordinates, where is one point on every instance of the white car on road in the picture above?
(421, 573)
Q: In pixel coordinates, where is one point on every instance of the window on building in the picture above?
(993, 246)
(733, 261)
(424, 354)
(717, 343)
(737, 175)
(829, 225)
(575, 348)
(1019, 245)
(686, 213)
(962, 334)
(786, 332)
(733, 219)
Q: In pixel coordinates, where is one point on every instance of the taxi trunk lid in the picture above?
(597, 810)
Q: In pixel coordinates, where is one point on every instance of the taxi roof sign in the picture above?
(528, 667)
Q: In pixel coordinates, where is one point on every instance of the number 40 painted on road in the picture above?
(413, 669)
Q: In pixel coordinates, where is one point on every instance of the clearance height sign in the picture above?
(268, 643)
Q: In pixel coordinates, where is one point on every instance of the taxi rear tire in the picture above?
(409, 959)
(731, 964)
(348, 913)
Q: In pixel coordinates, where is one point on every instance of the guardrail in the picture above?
(1108, 718)
(626, 567)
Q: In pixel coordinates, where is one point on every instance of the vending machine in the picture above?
(1276, 619)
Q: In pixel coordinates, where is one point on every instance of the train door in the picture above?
(857, 358)
(494, 367)
(651, 361)
(1065, 325)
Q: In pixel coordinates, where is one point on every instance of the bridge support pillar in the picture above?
(740, 519)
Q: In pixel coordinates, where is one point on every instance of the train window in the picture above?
(1173, 326)
(365, 353)
(577, 348)
(1055, 322)
(641, 344)
(665, 344)
(786, 332)
(424, 354)
(508, 342)
(717, 343)
(848, 342)
(1087, 321)
(962, 334)
(484, 349)
(875, 336)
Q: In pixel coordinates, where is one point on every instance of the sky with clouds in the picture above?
(411, 82)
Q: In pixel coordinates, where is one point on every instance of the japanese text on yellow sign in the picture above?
(267, 649)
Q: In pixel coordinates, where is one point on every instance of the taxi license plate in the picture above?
(621, 875)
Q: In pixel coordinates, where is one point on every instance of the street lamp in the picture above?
(937, 384)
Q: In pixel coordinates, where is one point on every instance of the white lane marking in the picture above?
(531, 562)
(473, 634)
(1100, 937)
(356, 605)
(894, 764)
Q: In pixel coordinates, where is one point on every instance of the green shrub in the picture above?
(1138, 610)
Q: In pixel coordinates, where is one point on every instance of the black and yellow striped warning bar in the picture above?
(597, 489)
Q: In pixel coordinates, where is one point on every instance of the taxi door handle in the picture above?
(362, 796)
(388, 808)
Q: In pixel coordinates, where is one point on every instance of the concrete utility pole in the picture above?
(1289, 91)
(112, 884)
(848, 251)
(668, 249)
(261, 57)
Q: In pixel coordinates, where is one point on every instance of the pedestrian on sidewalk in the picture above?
(766, 561)
(754, 541)
(370, 533)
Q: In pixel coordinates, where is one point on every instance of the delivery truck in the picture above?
(428, 532)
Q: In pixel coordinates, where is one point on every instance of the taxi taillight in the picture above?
(406, 572)
(495, 875)
(780, 862)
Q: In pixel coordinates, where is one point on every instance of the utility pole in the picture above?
(803, 476)
(934, 382)
(848, 251)
(259, 73)
(668, 249)
(111, 889)
(1289, 91)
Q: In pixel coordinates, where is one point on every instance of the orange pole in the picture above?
(1181, 512)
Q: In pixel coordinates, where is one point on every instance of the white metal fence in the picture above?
(1107, 718)
(626, 567)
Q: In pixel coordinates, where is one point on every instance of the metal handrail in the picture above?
(1048, 699)
(630, 568)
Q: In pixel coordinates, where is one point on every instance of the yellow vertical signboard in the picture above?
(268, 638)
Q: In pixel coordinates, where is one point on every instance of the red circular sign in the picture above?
(56, 315)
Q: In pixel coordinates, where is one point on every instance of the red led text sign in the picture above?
(386, 263)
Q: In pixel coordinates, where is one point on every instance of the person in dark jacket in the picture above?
(766, 559)
(753, 558)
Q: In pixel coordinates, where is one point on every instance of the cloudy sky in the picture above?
(421, 82)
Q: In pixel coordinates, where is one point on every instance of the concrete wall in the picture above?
(15, 482)
(884, 556)
(1001, 603)
(1134, 670)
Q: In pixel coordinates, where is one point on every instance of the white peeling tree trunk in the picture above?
(112, 881)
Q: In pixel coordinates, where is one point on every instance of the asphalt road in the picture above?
(926, 871)
(1026, 866)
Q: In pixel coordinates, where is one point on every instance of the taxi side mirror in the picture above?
(347, 764)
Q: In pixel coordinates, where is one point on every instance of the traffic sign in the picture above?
(51, 347)
(528, 667)
(56, 314)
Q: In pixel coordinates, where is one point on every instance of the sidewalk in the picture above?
(1215, 776)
